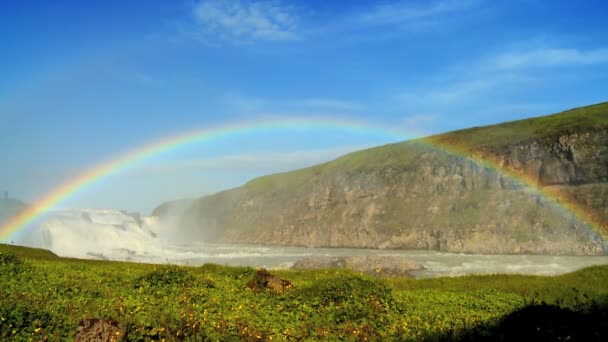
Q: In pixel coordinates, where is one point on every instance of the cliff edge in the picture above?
(537, 186)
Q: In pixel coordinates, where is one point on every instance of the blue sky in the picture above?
(83, 82)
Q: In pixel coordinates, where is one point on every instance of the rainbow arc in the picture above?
(19, 224)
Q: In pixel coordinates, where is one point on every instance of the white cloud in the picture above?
(242, 21)
(550, 57)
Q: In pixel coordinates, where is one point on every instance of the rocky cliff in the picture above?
(530, 186)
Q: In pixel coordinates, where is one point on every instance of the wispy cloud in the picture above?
(241, 21)
(420, 124)
(550, 57)
(500, 73)
(260, 162)
(459, 90)
(245, 104)
(404, 12)
(328, 103)
(369, 22)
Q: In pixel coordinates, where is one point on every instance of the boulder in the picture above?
(264, 280)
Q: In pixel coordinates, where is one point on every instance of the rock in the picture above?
(372, 265)
(413, 195)
(264, 280)
(319, 262)
(99, 330)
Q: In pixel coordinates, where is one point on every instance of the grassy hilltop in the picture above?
(592, 117)
(45, 297)
(454, 192)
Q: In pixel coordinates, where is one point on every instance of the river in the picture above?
(435, 263)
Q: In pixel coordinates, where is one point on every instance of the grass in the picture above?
(570, 121)
(402, 155)
(396, 176)
(43, 296)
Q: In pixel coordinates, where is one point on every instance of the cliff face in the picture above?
(455, 192)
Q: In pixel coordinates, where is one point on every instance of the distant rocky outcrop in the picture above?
(536, 186)
(372, 265)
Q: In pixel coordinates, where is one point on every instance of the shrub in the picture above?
(20, 320)
(342, 288)
(9, 259)
(264, 280)
(165, 276)
(10, 264)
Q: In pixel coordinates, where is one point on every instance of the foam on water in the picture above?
(116, 235)
(90, 233)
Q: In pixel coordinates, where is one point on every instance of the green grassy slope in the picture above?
(45, 297)
(578, 119)
(404, 153)
(27, 252)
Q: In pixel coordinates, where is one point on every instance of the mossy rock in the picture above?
(264, 280)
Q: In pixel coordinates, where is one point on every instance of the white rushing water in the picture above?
(435, 263)
(116, 235)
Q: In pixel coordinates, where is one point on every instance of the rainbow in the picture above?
(552, 195)
(18, 224)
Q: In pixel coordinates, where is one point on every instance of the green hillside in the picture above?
(494, 189)
(592, 117)
(579, 119)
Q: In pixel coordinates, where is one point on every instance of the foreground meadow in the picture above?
(44, 297)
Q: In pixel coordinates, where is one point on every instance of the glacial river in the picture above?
(111, 234)
(435, 263)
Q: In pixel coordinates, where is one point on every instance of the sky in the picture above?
(83, 82)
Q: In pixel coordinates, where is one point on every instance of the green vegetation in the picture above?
(44, 296)
(574, 120)
(403, 154)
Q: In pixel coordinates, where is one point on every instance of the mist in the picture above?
(93, 233)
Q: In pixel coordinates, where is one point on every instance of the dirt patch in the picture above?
(264, 280)
(99, 330)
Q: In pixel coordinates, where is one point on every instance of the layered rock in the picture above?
(545, 191)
